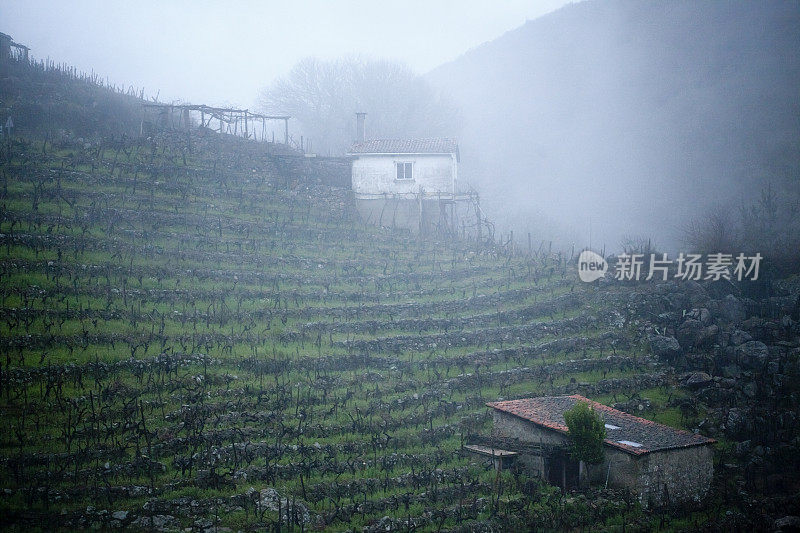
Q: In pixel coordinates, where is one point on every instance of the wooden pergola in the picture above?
(225, 119)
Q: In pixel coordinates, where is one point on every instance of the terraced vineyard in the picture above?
(194, 337)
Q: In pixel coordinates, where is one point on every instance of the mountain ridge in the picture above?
(627, 107)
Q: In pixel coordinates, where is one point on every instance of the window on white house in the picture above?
(404, 171)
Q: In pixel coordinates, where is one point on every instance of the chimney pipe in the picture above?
(361, 135)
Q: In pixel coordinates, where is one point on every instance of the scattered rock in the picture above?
(697, 380)
(731, 371)
(696, 292)
(732, 309)
(757, 327)
(702, 314)
(752, 354)
(773, 367)
(740, 337)
(726, 383)
(689, 333)
(708, 335)
(788, 523)
(743, 448)
(634, 405)
(665, 347)
(269, 499)
(158, 522)
(698, 361)
(735, 422)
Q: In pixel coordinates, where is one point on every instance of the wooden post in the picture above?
(286, 131)
(582, 474)
(478, 219)
(421, 194)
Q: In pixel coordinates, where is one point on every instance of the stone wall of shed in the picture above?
(656, 478)
(508, 426)
(675, 476)
(621, 468)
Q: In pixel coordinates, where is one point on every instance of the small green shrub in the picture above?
(587, 430)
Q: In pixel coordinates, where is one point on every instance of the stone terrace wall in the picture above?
(331, 171)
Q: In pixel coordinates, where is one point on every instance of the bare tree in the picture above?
(768, 224)
(324, 95)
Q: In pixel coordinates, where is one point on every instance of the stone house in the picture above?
(661, 465)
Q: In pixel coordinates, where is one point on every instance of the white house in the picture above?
(411, 183)
(403, 167)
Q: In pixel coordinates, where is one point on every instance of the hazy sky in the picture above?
(224, 52)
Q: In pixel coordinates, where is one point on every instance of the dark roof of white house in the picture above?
(405, 146)
(629, 433)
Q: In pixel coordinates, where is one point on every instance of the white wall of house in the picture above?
(376, 174)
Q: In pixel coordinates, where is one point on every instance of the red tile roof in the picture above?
(548, 412)
(405, 146)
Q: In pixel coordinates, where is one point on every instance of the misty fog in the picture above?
(323, 97)
(220, 313)
(614, 118)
